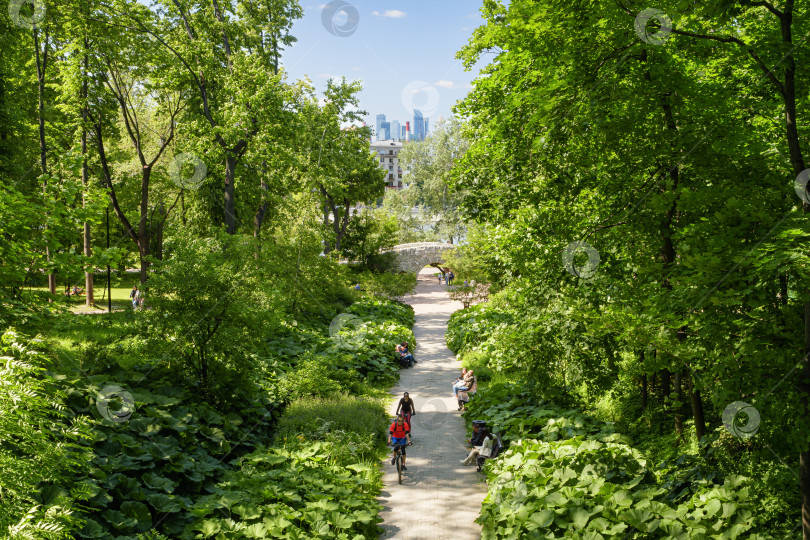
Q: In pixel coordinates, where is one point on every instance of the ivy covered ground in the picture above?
(120, 442)
(569, 472)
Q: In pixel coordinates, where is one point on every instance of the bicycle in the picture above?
(398, 459)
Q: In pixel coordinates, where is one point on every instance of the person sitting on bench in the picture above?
(405, 356)
(481, 442)
(497, 447)
(464, 395)
(464, 384)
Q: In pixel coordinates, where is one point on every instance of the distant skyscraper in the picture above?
(418, 126)
(378, 131)
(415, 130)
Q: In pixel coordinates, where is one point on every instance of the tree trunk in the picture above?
(797, 162)
(42, 64)
(336, 227)
(697, 409)
(666, 380)
(258, 219)
(89, 298)
(230, 176)
(143, 232)
(678, 406)
(341, 224)
(156, 230)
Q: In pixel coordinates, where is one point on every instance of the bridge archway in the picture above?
(413, 257)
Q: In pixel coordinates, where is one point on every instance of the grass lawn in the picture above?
(121, 287)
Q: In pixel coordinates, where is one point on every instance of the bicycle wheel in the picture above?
(399, 467)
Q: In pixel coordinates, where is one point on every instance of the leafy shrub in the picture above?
(478, 362)
(470, 327)
(315, 375)
(145, 472)
(295, 492)
(213, 309)
(387, 285)
(587, 489)
(517, 411)
(567, 475)
(372, 308)
(355, 424)
(40, 452)
(362, 415)
(153, 475)
(317, 365)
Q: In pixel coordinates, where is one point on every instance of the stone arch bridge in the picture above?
(413, 257)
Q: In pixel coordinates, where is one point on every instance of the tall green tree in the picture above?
(227, 58)
(336, 158)
(428, 164)
(661, 154)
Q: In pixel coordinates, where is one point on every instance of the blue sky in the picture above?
(403, 51)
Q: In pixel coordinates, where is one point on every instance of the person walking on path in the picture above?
(133, 295)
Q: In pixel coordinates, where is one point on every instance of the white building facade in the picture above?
(387, 153)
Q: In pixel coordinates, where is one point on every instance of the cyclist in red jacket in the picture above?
(399, 434)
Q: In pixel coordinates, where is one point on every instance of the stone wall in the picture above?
(413, 257)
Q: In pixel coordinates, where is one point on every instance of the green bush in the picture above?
(314, 375)
(362, 415)
(568, 475)
(588, 489)
(478, 362)
(357, 424)
(172, 468)
(471, 327)
(213, 308)
(296, 492)
(387, 285)
(40, 449)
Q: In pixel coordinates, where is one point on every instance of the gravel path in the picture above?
(439, 498)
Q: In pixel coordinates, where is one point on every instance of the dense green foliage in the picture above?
(220, 177)
(428, 164)
(40, 451)
(189, 460)
(568, 475)
(634, 188)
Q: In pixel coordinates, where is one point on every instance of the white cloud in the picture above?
(446, 84)
(391, 13)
